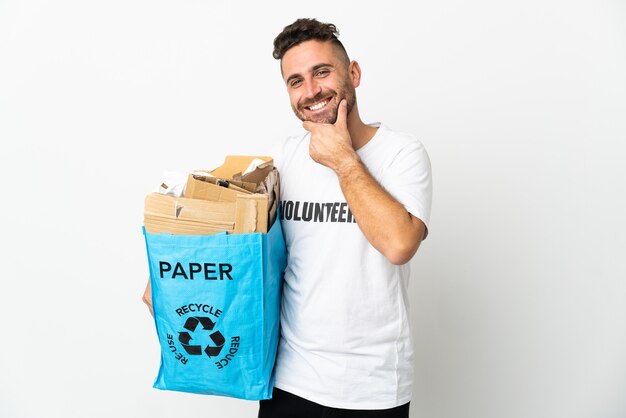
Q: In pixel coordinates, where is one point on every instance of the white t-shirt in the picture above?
(345, 333)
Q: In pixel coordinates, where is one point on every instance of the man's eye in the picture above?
(322, 73)
(295, 83)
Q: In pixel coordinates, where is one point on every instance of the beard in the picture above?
(329, 113)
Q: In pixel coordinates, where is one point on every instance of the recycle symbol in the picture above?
(207, 325)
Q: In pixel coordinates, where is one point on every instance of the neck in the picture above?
(360, 133)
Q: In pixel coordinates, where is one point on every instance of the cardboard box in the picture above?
(220, 200)
(208, 187)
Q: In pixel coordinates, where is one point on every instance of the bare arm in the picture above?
(384, 221)
(147, 297)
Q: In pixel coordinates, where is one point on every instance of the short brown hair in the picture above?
(305, 30)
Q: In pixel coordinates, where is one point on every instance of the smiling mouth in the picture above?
(318, 105)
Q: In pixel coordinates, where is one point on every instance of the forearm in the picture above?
(383, 220)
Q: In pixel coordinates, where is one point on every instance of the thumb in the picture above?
(342, 113)
(308, 125)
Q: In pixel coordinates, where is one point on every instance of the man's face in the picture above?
(317, 79)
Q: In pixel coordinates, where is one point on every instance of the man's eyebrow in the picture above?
(318, 66)
(312, 70)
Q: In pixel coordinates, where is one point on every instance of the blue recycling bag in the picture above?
(216, 303)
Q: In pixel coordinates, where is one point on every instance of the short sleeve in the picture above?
(408, 179)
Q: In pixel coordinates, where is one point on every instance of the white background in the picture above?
(518, 295)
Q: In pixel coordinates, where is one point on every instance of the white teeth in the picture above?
(318, 106)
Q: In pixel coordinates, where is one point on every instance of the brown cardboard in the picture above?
(207, 177)
(179, 215)
(205, 188)
(234, 165)
(251, 213)
(259, 174)
(209, 208)
(202, 188)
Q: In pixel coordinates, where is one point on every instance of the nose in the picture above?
(313, 88)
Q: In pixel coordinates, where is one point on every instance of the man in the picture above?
(355, 204)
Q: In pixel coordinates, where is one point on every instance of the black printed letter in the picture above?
(163, 267)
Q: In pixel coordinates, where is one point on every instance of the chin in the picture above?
(326, 117)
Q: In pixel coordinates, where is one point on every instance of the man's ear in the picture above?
(355, 73)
